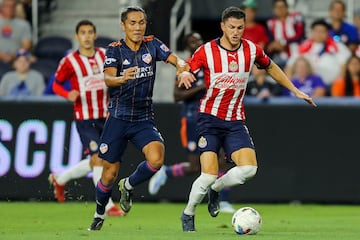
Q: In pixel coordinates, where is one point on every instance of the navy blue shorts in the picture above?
(215, 133)
(90, 132)
(188, 133)
(117, 133)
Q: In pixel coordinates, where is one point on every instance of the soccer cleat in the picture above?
(156, 181)
(115, 211)
(213, 202)
(125, 197)
(96, 224)
(187, 223)
(59, 190)
(225, 207)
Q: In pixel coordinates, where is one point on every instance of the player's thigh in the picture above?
(113, 140)
(149, 141)
(244, 156)
(209, 163)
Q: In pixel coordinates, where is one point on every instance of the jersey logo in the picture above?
(109, 60)
(126, 62)
(233, 66)
(232, 55)
(115, 44)
(147, 58)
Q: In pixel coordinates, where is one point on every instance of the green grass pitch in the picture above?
(50, 220)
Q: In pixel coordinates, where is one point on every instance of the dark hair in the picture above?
(349, 87)
(234, 12)
(84, 23)
(129, 9)
(339, 2)
(188, 36)
(321, 22)
(284, 1)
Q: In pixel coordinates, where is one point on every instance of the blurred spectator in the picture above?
(23, 81)
(254, 31)
(261, 85)
(342, 31)
(23, 10)
(357, 24)
(326, 56)
(15, 33)
(349, 84)
(304, 79)
(286, 31)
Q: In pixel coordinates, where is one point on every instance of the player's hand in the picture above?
(307, 98)
(185, 79)
(129, 74)
(73, 95)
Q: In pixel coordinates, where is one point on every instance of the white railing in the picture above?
(184, 24)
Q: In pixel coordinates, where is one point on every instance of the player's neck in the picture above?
(87, 52)
(224, 43)
(133, 45)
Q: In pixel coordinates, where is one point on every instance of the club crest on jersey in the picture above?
(103, 148)
(147, 58)
(233, 66)
(164, 48)
(202, 142)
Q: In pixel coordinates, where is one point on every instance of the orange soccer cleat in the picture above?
(59, 190)
(115, 211)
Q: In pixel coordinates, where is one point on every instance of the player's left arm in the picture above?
(179, 63)
(276, 73)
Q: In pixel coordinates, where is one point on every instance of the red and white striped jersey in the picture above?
(86, 76)
(226, 74)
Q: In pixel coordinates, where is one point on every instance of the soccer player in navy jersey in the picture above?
(227, 62)
(129, 70)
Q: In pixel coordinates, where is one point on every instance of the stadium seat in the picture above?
(103, 41)
(4, 68)
(47, 67)
(52, 47)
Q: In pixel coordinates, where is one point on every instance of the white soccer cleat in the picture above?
(156, 181)
(226, 207)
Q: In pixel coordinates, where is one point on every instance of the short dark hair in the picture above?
(320, 22)
(84, 22)
(125, 11)
(284, 1)
(234, 12)
(339, 2)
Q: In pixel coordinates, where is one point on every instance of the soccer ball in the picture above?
(246, 220)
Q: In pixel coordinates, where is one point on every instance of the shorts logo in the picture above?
(202, 142)
(164, 48)
(93, 146)
(104, 148)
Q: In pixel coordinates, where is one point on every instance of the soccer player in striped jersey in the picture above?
(227, 62)
(90, 97)
(130, 69)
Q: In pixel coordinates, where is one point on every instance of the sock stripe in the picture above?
(104, 188)
(151, 168)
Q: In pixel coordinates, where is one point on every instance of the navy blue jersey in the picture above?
(191, 105)
(133, 100)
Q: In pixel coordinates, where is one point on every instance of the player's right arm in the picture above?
(63, 73)
(111, 80)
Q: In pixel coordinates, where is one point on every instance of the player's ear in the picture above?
(122, 26)
(222, 26)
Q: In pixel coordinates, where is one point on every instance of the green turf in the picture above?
(37, 221)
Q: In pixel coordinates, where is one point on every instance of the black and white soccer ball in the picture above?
(247, 221)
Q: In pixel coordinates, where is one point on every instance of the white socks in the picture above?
(235, 176)
(77, 171)
(198, 191)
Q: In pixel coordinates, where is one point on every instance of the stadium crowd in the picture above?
(322, 62)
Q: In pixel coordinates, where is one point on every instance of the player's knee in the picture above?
(247, 172)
